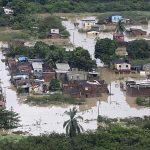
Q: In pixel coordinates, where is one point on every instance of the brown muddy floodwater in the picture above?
(37, 120)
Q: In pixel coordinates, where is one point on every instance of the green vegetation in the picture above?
(76, 5)
(79, 58)
(8, 119)
(137, 122)
(136, 17)
(143, 101)
(53, 99)
(112, 138)
(6, 36)
(105, 50)
(54, 85)
(140, 61)
(51, 22)
(138, 51)
(72, 126)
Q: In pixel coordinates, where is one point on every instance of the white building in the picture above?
(8, 11)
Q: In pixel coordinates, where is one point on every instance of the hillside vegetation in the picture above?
(50, 6)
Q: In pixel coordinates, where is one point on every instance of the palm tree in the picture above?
(72, 126)
(120, 27)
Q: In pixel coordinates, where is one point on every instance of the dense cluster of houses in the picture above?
(34, 76)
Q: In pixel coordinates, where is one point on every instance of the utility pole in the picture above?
(73, 40)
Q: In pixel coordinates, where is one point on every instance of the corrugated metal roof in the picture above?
(63, 66)
(37, 65)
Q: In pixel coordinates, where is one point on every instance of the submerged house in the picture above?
(84, 88)
(88, 23)
(136, 32)
(95, 30)
(138, 88)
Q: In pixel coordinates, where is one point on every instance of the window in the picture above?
(127, 66)
(119, 66)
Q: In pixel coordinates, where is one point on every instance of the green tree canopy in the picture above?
(138, 49)
(54, 85)
(105, 50)
(80, 58)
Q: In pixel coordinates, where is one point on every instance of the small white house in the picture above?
(54, 31)
(8, 11)
(122, 65)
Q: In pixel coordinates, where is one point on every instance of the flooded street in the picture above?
(37, 120)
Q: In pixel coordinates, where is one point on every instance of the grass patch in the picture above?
(11, 137)
(143, 101)
(53, 99)
(4, 36)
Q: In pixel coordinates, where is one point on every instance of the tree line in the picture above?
(78, 58)
(137, 49)
(66, 6)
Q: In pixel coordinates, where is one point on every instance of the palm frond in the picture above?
(65, 123)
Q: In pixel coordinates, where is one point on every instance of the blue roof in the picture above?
(22, 58)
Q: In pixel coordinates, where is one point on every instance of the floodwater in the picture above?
(37, 120)
(88, 41)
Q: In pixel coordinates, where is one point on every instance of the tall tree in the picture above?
(105, 50)
(72, 126)
(8, 119)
